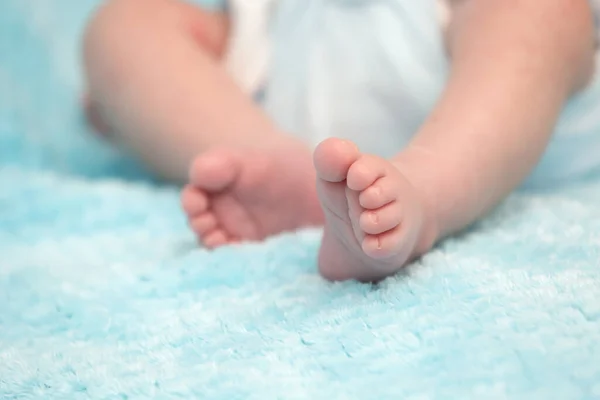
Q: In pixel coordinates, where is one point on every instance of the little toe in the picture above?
(214, 239)
(384, 245)
(374, 222)
(193, 201)
(204, 224)
(382, 192)
(215, 171)
(333, 157)
(365, 171)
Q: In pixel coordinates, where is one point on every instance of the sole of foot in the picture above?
(374, 217)
(238, 195)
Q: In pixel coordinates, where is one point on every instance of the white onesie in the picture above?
(371, 71)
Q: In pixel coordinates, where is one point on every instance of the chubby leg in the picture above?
(479, 143)
(153, 74)
(157, 86)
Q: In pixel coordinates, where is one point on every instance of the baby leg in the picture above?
(477, 146)
(154, 74)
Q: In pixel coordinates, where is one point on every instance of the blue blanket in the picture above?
(104, 295)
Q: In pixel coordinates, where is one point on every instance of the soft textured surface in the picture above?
(103, 293)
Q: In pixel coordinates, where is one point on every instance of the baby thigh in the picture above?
(149, 67)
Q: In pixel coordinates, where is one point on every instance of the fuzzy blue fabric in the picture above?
(104, 295)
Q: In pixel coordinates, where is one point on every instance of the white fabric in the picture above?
(371, 71)
(247, 57)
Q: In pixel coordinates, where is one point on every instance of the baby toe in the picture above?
(374, 222)
(365, 171)
(333, 157)
(215, 171)
(214, 239)
(203, 224)
(382, 192)
(384, 245)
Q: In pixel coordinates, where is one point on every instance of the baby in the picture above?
(393, 123)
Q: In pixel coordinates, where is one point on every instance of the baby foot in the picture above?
(374, 218)
(236, 195)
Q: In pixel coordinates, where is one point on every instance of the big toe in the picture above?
(333, 157)
(215, 171)
(366, 170)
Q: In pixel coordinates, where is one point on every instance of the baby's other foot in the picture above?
(247, 195)
(375, 221)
